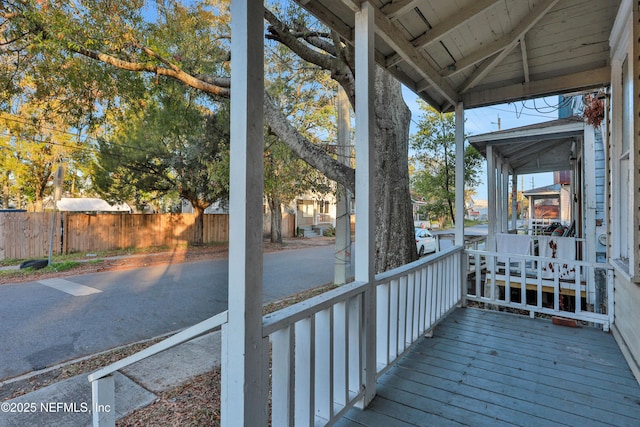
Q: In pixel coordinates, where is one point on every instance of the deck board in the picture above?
(490, 368)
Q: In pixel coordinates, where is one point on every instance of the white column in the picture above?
(498, 187)
(505, 197)
(589, 203)
(244, 391)
(514, 201)
(491, 198)
(365, 191)
(459, 238)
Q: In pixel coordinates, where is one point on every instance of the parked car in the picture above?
(426, 242)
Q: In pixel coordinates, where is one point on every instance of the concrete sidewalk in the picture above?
(68, 403)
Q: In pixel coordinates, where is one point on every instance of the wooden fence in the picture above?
(25, 235)
(108, 231)
(288, 225)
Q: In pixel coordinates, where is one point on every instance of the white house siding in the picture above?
(625, 43)
(627, 321)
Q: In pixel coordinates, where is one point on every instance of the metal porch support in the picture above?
(244, 389)
(365, 191)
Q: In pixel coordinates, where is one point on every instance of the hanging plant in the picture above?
(593, 112)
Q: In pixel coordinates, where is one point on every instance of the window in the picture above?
(621, 164)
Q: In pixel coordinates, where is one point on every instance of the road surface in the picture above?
(48, 322)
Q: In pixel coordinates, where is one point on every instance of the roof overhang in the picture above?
(69, 204)
(484, 52)
(544, 147)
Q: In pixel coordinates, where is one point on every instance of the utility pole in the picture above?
(343, 222)
(498, 123)
(57, 193)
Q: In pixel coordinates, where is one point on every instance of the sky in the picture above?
(485, 119)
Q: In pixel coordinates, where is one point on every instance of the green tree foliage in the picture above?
(167, 145)
(434, 161)
(119, 49)
(34, 140)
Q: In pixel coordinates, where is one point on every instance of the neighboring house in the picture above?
(219, 207)
(547, 205)
(314, 213)
(478, 209)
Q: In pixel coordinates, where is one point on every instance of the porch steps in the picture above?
(312, 231)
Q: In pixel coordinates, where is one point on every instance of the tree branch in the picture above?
(305, 149)
(188, 79)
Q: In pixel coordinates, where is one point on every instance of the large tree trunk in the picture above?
(276, 220)
(198, 224)
(395, 235)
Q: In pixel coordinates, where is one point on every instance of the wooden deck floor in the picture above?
(484, 368)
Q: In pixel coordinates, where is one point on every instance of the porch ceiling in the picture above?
(485, 52)
(544, 147)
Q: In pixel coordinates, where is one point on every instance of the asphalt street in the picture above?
(43, 325)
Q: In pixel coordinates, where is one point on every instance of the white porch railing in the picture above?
(317, 352)
(317, 345)
(537, 292)
(102, 383)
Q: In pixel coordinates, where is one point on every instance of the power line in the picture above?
(25, 121)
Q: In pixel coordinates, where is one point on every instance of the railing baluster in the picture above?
(577, 288)
(393, 319)
(340, 354)
(414, 280)
(383, 330)
(408, 328)
(355, 312)
(556, 287)
(423, 300)
(478, 265)
(539, 291)
(402, 315)
(304, 369)
(282, 377)
(440, 295)
(523, 283)
(431, 289)
(323, 364)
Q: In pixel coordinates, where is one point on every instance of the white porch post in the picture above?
(505, 197)
(459, 238)
(589, 203)
(514, 201)
(491, 198)
(243, 386)
(365, 191)
(498, 186)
